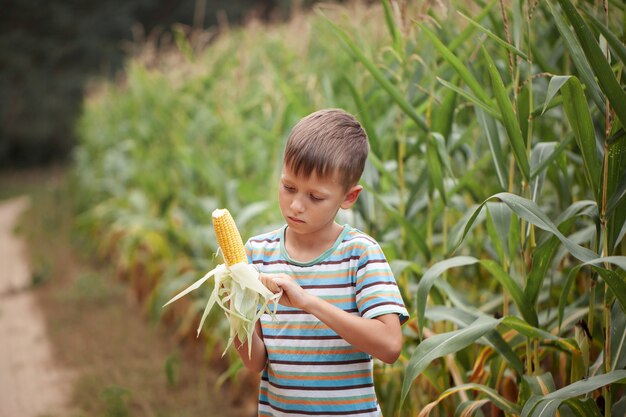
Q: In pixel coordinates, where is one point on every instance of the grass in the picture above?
(122, 364)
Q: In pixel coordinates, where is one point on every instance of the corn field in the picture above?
(496, 183)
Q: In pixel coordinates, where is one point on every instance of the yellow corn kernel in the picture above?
(228, 237)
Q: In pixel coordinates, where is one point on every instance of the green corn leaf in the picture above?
(538, 384)
(443, 115)
(493, 139)
(469, 30)
(471, 98)
(619, 261)
(364, 116)
(544, 253)
(529, 211)
(578, 57)
(400, 266)
(523, 110)
(539, 56)
(513, 289)
(578, 208)
(531, 331)
(378, 75)
(571, 276)
(497, 240)
(613, 280)
(541, 259)
(428, 279)
(554, 102)
(462, 317)
(469, 183)
(495, 37)
(382, 170)
(583, 408)
(414, 235)
(548, 408)
(539, 153)
(444, 155)
(554, 86)
(535, 386)
(618, 338)
(514, 236)
(514, 133)
(519, 21)
(618, 195)
(616, 283)
(526, 308)
(622, 233)
(616, 184)
(458, 65)
(396, 36)
(443, 344)
(469, 408)
(575, 104)
(547, 405)
(619, 407)
(614, 42)
(558, 151)
(601, 68)
(434, 167)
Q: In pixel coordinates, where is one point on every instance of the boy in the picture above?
(340, 304)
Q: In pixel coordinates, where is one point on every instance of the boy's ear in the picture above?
(351, 196)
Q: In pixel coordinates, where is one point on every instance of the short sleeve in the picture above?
(248, 249)
(377, 292)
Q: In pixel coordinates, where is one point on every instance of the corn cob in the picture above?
(228, 237)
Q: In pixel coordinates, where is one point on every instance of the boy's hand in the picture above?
(293, 294)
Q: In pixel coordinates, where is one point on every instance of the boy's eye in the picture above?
(288, 188)
(316, 198)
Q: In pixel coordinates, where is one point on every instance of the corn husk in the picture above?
(239, 292)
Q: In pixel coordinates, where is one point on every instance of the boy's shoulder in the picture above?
(358, 238)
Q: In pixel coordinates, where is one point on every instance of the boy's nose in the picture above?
(296, 205)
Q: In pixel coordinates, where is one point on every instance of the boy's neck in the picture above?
(304, 248)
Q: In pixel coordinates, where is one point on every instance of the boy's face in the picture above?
(309, 205)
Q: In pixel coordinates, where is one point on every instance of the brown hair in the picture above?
(327, 142)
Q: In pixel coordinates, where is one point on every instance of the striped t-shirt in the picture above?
(311, 371)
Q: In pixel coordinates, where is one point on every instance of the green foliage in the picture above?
(515, 123)
(116, 399)
(172, 370)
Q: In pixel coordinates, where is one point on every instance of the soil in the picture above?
(31, 383)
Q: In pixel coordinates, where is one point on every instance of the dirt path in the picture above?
(30, 384)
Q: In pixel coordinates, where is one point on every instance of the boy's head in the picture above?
(326, 143)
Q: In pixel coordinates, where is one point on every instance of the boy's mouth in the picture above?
(295, 220)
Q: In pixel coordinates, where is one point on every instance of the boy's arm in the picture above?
(256, 361)
(381, 336)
